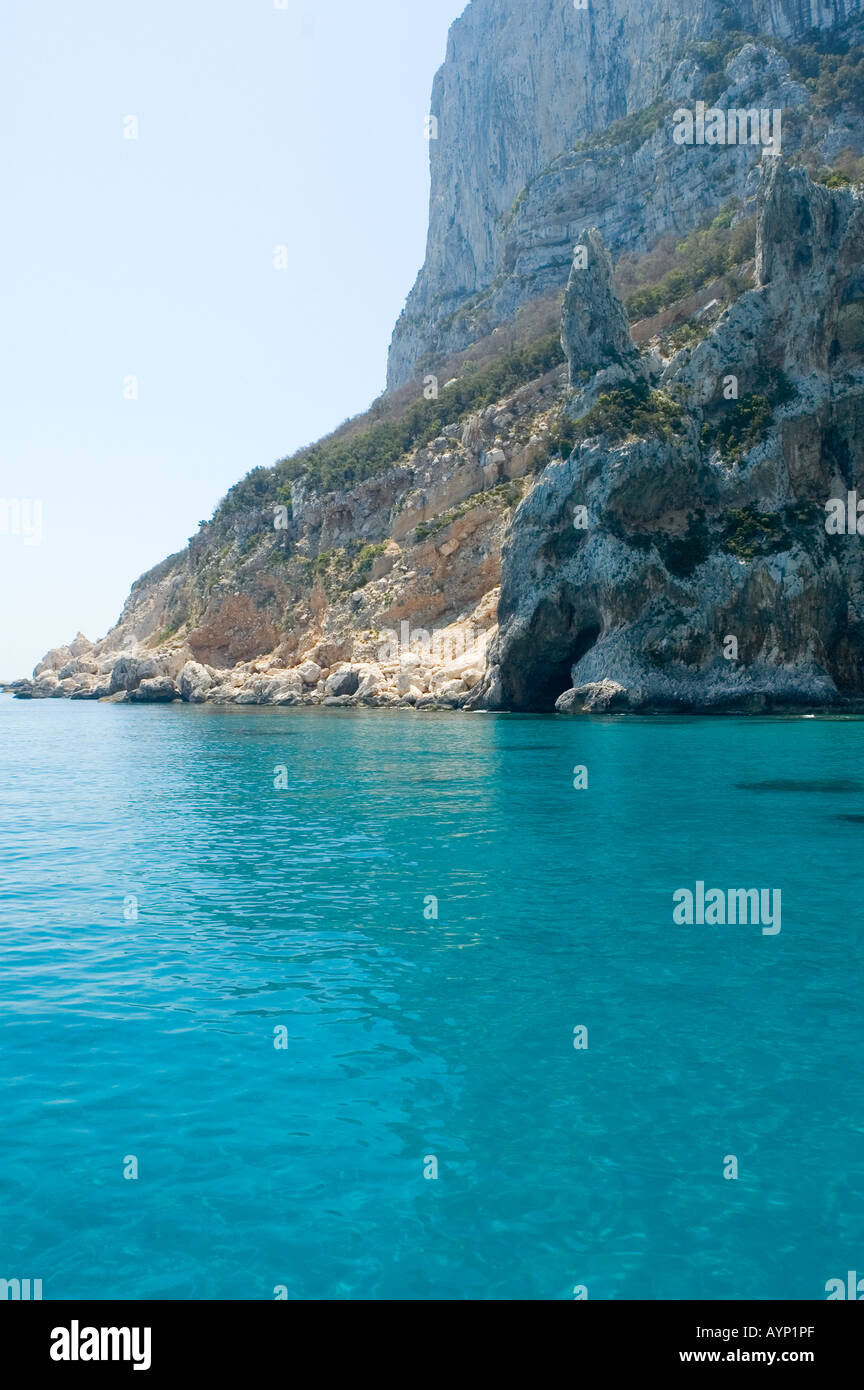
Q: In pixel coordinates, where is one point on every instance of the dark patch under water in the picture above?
(782, 784)
(856, 820)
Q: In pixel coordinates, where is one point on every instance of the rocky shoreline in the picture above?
(287, 689)
(86, 671)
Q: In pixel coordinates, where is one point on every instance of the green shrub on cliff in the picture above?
(747, 533)
(341, 462)
(342, 569)
(840, 82)
(633, 409)
(746, 423)
(363, 564)
(630, 132)
(505, 495)
(673, 270)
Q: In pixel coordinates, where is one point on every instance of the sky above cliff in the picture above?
(154, 157)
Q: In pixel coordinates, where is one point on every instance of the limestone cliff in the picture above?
(551, 117)
(681, 556)
(382, 591)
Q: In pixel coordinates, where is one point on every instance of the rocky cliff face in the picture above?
(681, 557)
(383, 592)
(550, 117)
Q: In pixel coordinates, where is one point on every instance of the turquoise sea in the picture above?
(165, 911)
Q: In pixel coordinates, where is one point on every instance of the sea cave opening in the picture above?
(548, 673)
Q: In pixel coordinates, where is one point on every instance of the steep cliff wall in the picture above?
(682, 557)
(523, 157)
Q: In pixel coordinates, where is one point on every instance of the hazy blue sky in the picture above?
(154, 258)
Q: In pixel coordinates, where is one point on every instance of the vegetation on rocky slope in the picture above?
(633, 409)
(505, 495)
(744, 423)
(630, 132)
(342, 569)
(824, 63)
(671, 271)
(340, 462)
(675, 268)
(747, 532)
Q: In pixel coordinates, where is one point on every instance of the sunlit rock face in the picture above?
(682, 557)
(525, 91)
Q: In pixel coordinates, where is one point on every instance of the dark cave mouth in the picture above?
(550, 676)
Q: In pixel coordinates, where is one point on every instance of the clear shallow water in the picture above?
(304, 908)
